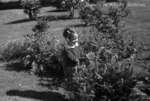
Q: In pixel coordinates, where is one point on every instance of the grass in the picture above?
(14, 24)
(20, 86)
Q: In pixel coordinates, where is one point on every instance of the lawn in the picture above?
(14, 23)
(19, 86)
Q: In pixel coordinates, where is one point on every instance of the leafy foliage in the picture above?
(102, 11)
(42, 47)
(71, 5)
(31, 8)
(14, 49)
(109, 74)
(105, 73)
(34, 51)
(67, 4)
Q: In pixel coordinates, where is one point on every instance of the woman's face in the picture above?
(73, 40)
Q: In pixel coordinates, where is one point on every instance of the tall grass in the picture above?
(14, 49)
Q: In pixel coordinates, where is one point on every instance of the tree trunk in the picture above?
(71, 12)
(30, 15)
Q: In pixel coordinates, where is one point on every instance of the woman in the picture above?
(71, 52)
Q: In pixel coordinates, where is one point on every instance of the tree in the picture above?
(71, 5)
(31, 8)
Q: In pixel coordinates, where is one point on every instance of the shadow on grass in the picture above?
(16, 4)
(9, 5)
(57, 10)
(43, 96)
(80, 25)
(57, 18)
(16, 66)
(49, 18)
(20, 21)
(51, 82)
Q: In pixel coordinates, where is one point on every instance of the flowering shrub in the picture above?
(70, 5)
(144, 78)
(109, 74)
(31, 7)
(106, 70)
(95, 14)
(14, 49)
(34, 51)
(107, 84)
(42, 47)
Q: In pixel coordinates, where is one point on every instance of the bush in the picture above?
(31, 8)
(42, 47)
(95, 14)
(34, 51)
(71, 5)
(106, 74)
(14, 49)
(109, 74)
(113, 83)
(144, 78)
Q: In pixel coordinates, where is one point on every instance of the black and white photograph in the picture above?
(74, 50)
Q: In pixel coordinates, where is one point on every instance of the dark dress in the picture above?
(70, 60)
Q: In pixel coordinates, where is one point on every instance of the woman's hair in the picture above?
(69, 33)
